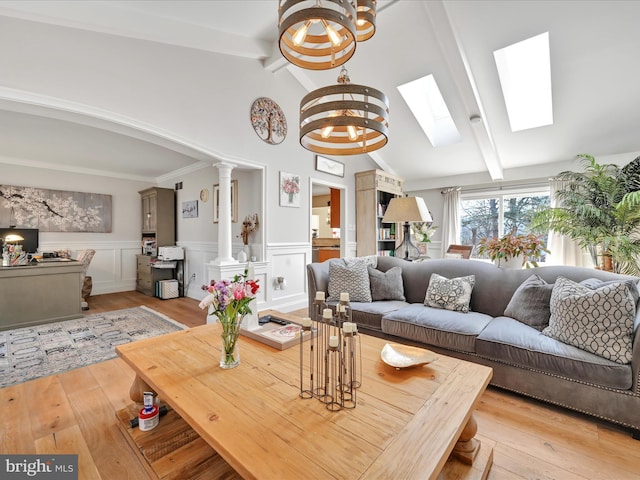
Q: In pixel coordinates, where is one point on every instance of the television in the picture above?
(30, 235)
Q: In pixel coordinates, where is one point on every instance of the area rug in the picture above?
(33, 352)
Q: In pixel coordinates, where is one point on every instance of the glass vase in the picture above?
(230, 352)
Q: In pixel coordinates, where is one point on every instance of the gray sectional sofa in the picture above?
(524, 360)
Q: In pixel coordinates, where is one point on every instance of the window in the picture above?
(524, 69)
(494, 214)
(427, 104)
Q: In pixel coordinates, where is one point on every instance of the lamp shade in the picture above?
(344, 119)
(407, 209)
(365, 19)
(13, 238)
(318, 35)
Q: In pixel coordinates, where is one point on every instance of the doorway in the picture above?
(327, 220)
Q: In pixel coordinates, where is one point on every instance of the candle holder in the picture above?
(357, 350)
(334, 368)
(334, 353)
(349, 366)
(306, 351)
(324, 333)
(319, 304)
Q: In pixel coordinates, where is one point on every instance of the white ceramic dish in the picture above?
(403, 356)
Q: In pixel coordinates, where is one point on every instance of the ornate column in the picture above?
(224, 215)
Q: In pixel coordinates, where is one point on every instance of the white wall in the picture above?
(113, 268)
(203, 100)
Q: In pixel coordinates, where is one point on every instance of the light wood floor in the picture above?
(73, 412)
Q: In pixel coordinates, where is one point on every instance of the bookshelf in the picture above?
(374, 191)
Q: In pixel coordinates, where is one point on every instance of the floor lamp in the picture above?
(405, 210)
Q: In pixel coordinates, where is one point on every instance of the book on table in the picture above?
(276, 335)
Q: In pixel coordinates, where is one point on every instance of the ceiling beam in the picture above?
(456, 60)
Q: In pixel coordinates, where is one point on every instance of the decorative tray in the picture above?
(403, 356)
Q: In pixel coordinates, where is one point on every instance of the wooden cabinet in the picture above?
(334, 219)
(374, 191)
(158, 230)
(147, 276)
(159, 216)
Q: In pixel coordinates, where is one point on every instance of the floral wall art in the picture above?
(54, 210)
(289, 190)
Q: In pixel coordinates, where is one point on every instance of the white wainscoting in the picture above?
(288, 260)
(113, 268)
(283, 260)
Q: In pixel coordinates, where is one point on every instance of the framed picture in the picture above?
(289, 190)
(332, 167)
(422, 246)
(190, 209)
(234, 202)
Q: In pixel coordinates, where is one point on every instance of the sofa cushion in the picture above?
(352, 279)
(599, 321)
(386, 285)
(369, 315)
(508, 341)
(530, 303)
(435, 326)
(450, 294)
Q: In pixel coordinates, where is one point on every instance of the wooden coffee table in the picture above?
(405, 426)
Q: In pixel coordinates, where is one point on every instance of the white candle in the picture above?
(306, 322)
(327, 313)
(346, 327)
(320, 296)
(340, 308)
(344, 297)
(333, 341)
(354, 327)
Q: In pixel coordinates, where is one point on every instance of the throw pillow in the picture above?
(599, 320)
(530, 303)
(595, 283)
(353, 279)
(450, 294)
(369, 260)
(386, 285)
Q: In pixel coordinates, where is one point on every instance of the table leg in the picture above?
(467, 447)
(138, 387)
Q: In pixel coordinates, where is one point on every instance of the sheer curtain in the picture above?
(564, 251)
(451, 218)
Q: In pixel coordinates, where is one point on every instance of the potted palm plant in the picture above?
(599, 210)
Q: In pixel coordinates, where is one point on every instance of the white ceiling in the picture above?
(594, 49)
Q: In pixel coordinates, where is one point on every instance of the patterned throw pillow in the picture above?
(353, 279)
(595, 283)
(599, 320)
(530, 303)
(450, 294)
(386, 285)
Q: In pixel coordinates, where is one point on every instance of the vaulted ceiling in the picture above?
(593, 44)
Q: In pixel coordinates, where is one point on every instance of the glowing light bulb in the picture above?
(331, 33)
(301, 34)
(326, 132)
(353, 133)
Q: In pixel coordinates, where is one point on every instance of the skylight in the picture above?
(524, 69)
(426, 103)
